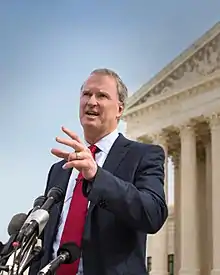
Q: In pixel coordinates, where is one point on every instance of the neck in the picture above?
(92, 136)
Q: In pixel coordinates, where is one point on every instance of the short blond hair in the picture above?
(121, 87)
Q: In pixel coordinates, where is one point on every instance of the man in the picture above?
(114, 187)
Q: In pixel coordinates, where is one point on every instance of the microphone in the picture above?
(67, 254)
(37, 205)
(13, 229)
(54, 196)
(38, 219)
(16, 223)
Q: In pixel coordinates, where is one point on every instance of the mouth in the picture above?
(92, 113)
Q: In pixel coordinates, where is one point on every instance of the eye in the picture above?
(102, 95)
(86, 93)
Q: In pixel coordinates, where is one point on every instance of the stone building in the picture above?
(180, 110)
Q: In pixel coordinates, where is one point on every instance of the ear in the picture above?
(120, 111)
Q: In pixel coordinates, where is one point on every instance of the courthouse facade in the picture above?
(180, 110)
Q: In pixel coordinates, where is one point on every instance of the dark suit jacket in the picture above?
(127, 202)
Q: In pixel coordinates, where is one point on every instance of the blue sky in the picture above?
(47, 49)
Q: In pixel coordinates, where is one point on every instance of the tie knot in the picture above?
(93, 148)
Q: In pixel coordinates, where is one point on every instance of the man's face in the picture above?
(100, 108)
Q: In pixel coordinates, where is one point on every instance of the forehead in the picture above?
(101, 82)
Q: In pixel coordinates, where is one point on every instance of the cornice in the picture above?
(205, 84)
(188, 61)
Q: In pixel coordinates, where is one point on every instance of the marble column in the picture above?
(160, 240)
(208, 201)
(188, 209)
(215, 145)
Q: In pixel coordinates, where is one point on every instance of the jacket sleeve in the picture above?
(141, 204)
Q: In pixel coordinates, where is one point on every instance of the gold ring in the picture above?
(77, 155)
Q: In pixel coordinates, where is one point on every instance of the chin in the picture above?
(89, 125)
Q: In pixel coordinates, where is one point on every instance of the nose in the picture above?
(92, 100)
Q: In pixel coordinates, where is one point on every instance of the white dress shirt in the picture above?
(104, 146)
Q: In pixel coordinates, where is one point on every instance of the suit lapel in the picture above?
(116, 154)
(62, 177)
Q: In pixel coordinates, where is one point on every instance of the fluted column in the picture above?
(215, 145)
(160, 240)
(188, 208)
(208, 243)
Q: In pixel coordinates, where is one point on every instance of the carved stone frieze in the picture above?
(149, 107)
(204, 62)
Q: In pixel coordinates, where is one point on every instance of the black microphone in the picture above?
(39, 218)
(54, 196)
(13, 228)
(67, 254)
(16, 223)
(38, 203)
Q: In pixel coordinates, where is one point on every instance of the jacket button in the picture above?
(102, 204)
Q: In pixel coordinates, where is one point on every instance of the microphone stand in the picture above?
(34, 253)
(25, 252)
(21, 258)
(27, 238)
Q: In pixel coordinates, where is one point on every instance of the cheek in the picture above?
(110, 111)
(82, 106)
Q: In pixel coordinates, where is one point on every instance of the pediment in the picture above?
(198, 62)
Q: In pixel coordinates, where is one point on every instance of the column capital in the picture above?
(214, 120)
(160, 138)
(187, 127)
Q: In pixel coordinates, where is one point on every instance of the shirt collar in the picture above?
(106, 142)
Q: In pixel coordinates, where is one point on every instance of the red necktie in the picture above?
(75, 221)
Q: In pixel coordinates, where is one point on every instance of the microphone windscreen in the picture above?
(16, 223)
(39, 201)
(72, 249)
(57, 193)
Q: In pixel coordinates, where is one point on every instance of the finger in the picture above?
(72, 143)
(78, 164)
(71, 134)
(60, 154)
(79, 156)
